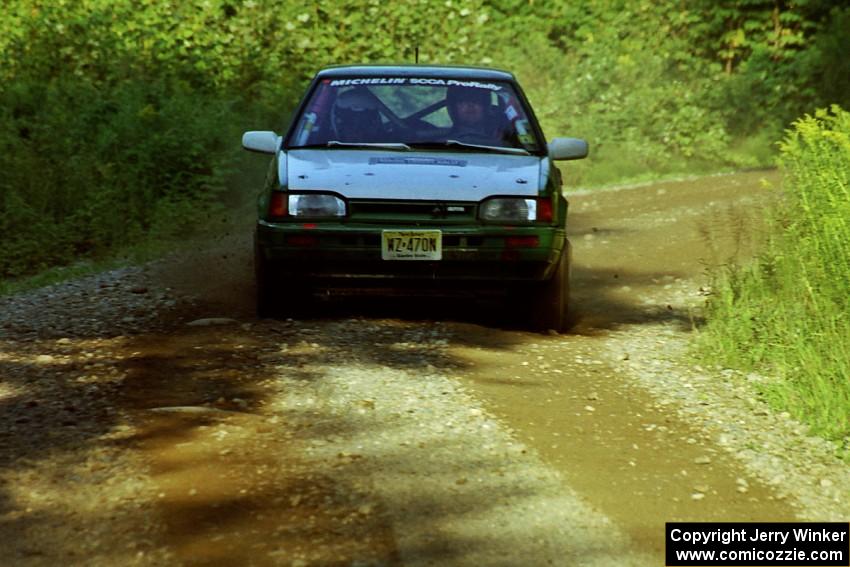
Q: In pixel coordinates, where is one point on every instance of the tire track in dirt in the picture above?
(640, 256)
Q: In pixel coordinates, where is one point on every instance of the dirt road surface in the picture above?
(147, 418)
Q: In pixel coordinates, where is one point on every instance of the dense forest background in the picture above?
(120, 119)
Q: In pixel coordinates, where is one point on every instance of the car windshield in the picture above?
(405, 113)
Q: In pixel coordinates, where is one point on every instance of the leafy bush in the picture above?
(778, 59)
(89, 170)
(606, 72)
(788, 312)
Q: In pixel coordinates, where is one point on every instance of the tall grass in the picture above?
(788, 313)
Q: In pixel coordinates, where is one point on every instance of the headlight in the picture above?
(508, 209)
(316, 205)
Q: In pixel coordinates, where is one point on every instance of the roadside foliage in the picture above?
(788, 314)
(119, 120)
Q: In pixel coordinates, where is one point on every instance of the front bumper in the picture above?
(351, 253)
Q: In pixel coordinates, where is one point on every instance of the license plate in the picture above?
(411, 245)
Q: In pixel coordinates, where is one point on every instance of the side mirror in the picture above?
(264, 142)
(567, 148)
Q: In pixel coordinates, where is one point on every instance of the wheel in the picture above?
(267, 295)
(551, 299)
(278, 295)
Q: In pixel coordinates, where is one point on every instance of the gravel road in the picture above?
(149, 419)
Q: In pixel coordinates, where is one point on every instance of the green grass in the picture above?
(788, 313)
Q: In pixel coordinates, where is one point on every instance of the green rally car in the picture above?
(414, 177)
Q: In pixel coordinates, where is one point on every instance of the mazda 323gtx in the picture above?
(419, 177)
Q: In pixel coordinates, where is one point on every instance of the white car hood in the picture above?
(437, 176)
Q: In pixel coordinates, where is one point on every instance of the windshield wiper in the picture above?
(397, 146)
(458, 143)
(499, 149)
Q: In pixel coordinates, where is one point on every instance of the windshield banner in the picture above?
(431, 82)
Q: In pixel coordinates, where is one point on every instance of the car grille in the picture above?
(425, 211)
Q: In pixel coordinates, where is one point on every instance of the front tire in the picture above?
(278, 295)
(551, 299)
(267, 295)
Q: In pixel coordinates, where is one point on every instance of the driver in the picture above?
(355, 117)
(469, 109)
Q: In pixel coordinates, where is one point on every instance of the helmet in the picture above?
(457, 95)
(354, 116)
